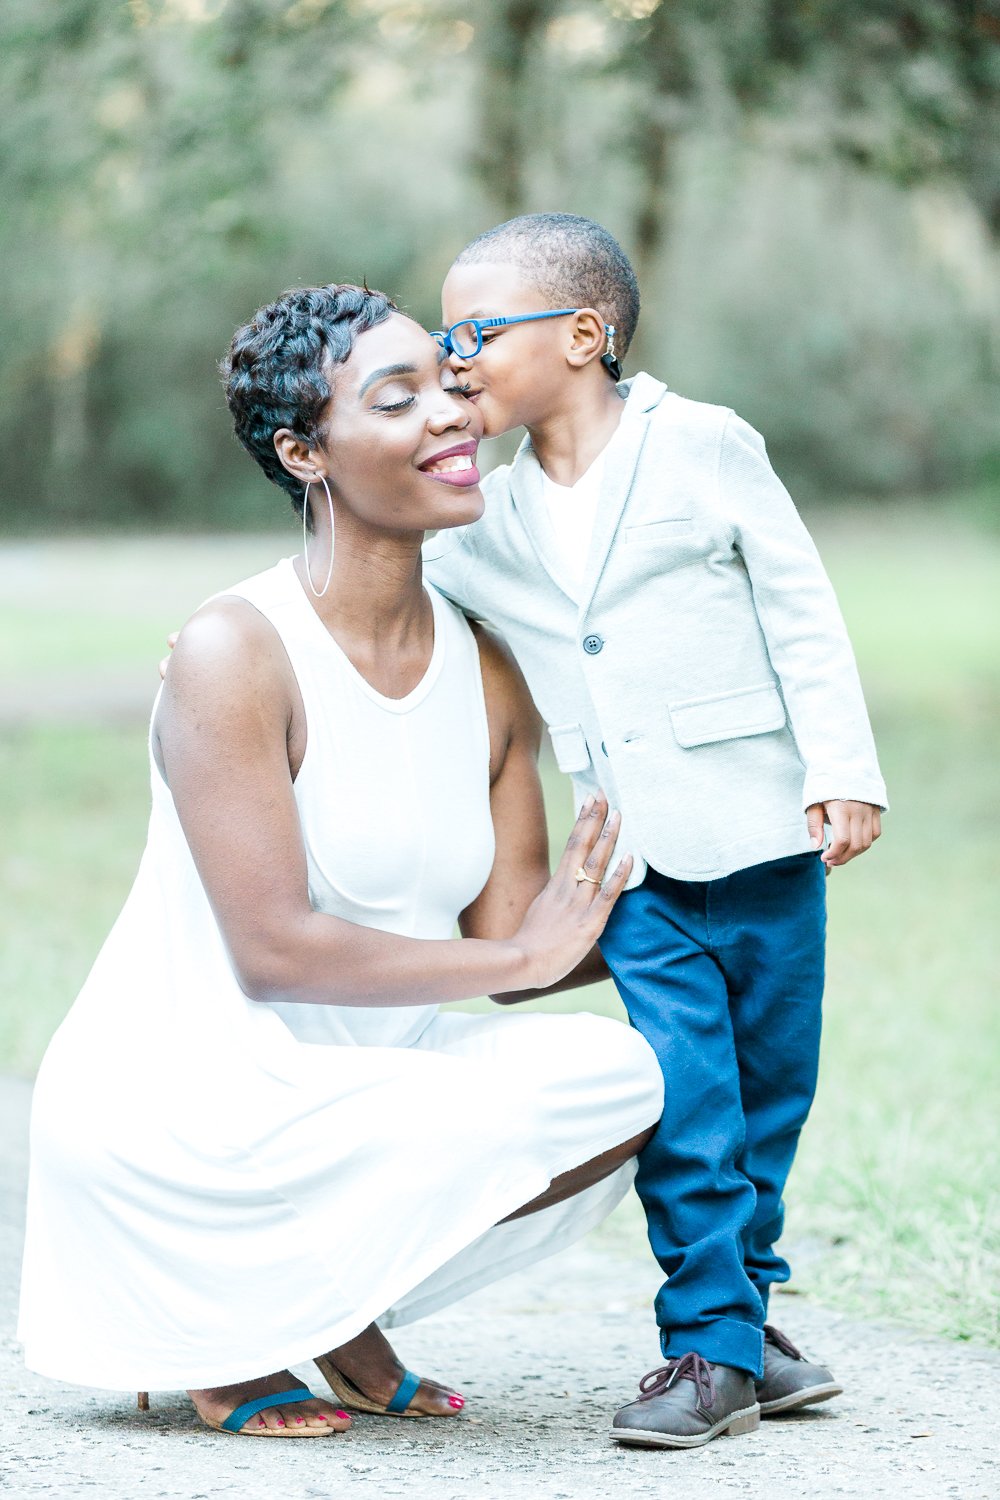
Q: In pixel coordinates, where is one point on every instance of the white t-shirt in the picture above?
(572, 510)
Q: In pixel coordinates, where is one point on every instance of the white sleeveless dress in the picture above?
(220, 1187)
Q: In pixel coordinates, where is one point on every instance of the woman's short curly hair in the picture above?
(277, 369)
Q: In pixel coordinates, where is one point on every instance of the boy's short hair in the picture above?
(573, 261)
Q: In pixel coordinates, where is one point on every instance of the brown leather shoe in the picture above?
(790, 1380)
(686, 1403)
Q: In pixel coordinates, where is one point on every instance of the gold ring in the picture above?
(581, 876)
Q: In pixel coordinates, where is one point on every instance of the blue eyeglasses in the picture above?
(465, 339)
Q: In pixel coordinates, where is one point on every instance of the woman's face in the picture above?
(399, 442)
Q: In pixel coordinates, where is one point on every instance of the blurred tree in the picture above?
(166, 165)
(509, 37)
(906, 88)
(139, 155)
(909, 88)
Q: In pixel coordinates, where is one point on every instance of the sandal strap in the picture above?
(242, 1414)
(408, 1388)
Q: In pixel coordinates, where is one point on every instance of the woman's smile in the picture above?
(455, 465)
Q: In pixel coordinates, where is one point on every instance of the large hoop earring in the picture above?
(317, 593)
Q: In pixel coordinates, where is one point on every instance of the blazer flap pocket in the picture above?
(728, 716)
(570, 745)
(660, 531)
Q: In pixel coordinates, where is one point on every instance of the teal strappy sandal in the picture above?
(238, 1419)
(350, 1397)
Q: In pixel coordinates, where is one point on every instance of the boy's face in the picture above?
(519, 376)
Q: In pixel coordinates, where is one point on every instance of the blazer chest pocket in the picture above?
(654, 532)
(570, 745)
(727, 716)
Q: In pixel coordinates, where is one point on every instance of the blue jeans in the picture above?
(724, 979)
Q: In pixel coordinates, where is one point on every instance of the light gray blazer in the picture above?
(703, 677)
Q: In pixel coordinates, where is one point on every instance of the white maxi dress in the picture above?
(222, 1187)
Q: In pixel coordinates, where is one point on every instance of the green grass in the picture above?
(892, 1207)
(98, 609)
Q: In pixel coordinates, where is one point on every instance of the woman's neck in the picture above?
(376, 607)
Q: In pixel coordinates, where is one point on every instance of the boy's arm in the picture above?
(808, 645)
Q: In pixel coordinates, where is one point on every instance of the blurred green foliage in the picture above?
(811, 192)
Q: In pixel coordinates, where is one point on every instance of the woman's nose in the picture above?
(453, 411)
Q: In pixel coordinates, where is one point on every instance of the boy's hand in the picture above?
(854, 827)
(165, 661)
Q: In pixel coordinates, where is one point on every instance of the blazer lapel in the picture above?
(620, 462)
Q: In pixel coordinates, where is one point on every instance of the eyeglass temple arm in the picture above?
(555, 312)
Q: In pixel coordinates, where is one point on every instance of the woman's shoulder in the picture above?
(236, 619)
(222, 627)
(228, 651)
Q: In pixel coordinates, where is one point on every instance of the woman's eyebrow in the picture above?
(384, 374)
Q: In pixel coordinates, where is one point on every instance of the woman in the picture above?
(255, 1130)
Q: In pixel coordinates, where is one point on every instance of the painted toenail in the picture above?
(457, 1402)
(281, 1421)
(261, 1422)
(343, 1416)
(299, 1421)
(320, 1417)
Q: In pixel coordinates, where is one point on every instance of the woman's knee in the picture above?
(627, 1055)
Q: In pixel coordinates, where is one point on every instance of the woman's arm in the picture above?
(521, 866)
(229, 735)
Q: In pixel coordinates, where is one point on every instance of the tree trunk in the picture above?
(509, 34)
(664, 86)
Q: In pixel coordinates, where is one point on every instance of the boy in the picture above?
(683, 643)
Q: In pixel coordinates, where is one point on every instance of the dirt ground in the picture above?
(544, 1358)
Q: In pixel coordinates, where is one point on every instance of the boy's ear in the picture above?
(297, 456)
(588, 338)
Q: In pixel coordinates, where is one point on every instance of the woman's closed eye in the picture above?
(391, 406)
(405, 402)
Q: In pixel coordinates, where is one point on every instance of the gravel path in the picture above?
(544, 1359)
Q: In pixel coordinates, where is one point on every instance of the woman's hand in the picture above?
(565, 920)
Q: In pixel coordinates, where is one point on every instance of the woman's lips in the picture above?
(455, 466)
(461, 478)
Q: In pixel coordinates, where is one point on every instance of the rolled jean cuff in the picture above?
(724, 1341)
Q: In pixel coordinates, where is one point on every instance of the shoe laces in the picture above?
(775, 1336)
(688, 1366)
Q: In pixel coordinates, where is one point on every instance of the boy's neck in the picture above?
(567, 442)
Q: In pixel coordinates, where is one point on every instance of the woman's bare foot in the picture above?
(300, 1419)
(370, 1364)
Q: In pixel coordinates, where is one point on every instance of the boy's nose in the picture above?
(459, 362)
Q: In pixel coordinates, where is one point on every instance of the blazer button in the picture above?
(592, 644)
